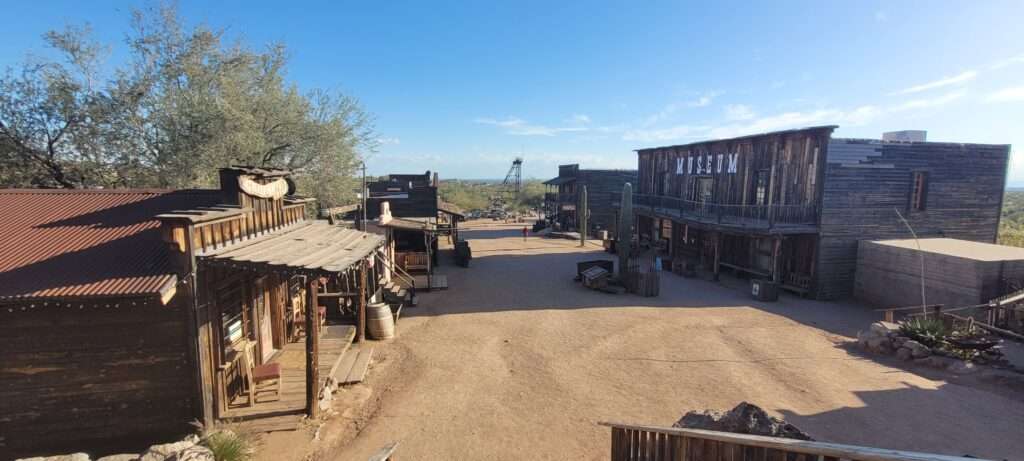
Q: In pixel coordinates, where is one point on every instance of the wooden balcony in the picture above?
(772, 218)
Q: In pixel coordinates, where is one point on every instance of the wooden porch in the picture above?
(334, 341)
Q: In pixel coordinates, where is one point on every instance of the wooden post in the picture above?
(718, 250)
(776, 257)
(206, 383)
(312, 349)
(361, 316)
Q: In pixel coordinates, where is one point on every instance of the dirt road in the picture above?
(516, 361)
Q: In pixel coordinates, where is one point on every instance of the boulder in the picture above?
(121, 457)
(165, 451)
(885, 328)
(917, 349)
(904, 353)
(880, 344)
(193, 453)
(745, 418)
(67, 457)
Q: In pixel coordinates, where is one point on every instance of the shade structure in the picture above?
(317, 247)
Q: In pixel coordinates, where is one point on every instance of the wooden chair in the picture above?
(260, 379)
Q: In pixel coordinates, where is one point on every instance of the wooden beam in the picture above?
(718, 251)
(361, 316)
(312, 349)
(776, 256)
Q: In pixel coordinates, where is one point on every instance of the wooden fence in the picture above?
(648, 443)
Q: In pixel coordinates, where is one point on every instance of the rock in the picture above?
(917, 350)
(899, 341)
(904, 353)
(880, 344)
(745, 418)
(67, 457)
(938, 361)
(963, 368)
(122, 457)
(193, 453)
(165, 451)
(885, 328)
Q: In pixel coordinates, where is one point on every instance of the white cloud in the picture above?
(389, 141)
(946, 81)
(928, 102)
(704, 99)
(1008, 62)
(579, 119)
(739, 112)
(665, 134)
(1007, 95)
(519, 127)
(786, 120)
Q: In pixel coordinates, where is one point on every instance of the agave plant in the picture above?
(928, 331)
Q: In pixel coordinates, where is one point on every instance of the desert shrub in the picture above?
(928, 331)
(227, 446)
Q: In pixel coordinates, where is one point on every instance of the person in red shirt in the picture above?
(524, 233)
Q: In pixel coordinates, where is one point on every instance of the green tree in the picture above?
(185, 104)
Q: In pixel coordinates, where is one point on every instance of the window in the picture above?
(761, 187)
(702, 189)
(919, 194)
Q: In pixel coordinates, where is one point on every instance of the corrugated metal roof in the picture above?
(87, 243)
(315, 247)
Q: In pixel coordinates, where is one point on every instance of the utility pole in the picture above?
(362, 194)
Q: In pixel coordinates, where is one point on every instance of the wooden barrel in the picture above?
(379, 321)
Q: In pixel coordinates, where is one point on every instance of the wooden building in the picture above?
(408, 211)
(130, 313)
(791, 206)
(604, 192)
(955, 273)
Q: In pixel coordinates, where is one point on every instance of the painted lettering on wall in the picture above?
(707, 164)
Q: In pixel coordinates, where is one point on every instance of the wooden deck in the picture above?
(334, 341)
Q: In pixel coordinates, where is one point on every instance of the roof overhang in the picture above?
(560, 180)
(317, 248)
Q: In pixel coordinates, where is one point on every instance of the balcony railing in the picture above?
(731, 214)
(550, 197)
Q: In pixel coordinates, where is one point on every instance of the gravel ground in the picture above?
(516, 361)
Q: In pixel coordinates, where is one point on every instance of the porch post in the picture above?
(718, 250)
(312, 348)
(776, 259)
(361, 316)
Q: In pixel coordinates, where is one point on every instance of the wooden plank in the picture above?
(359, 366)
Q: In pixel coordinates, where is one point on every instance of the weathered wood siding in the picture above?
(75, 377)
(866, 181)
(792, 160)
(890, 276)
(604, 194)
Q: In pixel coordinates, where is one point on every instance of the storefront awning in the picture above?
(317, 247)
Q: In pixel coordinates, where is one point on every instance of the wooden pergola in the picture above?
(315, 250)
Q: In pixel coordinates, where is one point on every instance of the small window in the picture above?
(761, 187)
(702, 189)
(919, 194)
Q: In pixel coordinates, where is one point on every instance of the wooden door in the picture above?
(264, 322)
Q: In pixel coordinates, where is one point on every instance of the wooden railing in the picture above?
(724, 213)
(244, 224)
(648, 443)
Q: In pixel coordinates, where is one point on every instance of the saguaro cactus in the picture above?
(584, 213)
(624, 234)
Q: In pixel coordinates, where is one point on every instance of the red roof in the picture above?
(87, 243)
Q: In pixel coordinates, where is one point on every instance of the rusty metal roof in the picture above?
(87, 243)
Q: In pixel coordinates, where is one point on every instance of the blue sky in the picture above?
(464, 87)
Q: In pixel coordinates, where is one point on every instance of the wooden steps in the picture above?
(353, 365)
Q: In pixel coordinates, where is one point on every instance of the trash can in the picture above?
(764, 290)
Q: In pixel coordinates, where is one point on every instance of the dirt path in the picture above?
(516, 361)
